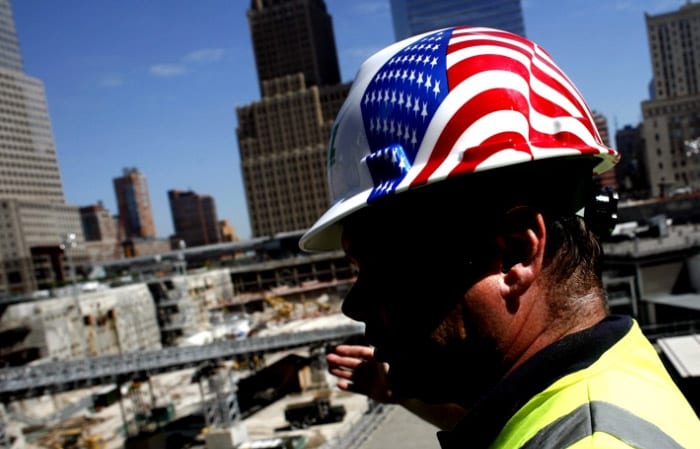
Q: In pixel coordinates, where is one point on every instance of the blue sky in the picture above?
(154, 84)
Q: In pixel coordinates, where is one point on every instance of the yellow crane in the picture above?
(283, 309)
(76, 438)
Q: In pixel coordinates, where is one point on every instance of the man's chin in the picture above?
(428, 384)
(427, 390)
(441, 378)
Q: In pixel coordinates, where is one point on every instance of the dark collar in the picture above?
(572, 353)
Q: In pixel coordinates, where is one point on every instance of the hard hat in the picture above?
(444, 104)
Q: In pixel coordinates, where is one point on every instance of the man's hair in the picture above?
(573, 258)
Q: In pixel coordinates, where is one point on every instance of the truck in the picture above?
(316, 411)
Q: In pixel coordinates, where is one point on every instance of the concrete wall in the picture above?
(110, 321)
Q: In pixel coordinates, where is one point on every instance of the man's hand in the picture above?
(358, 371)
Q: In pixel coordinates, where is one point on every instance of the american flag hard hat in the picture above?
(444, 104)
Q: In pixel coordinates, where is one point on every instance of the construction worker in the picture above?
(461, 173)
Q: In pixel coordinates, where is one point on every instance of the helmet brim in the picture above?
(326, 233)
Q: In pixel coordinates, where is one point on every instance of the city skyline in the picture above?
(156, 85)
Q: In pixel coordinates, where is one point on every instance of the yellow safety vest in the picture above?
(625, 399)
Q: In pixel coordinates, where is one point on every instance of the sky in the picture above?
(155, 84)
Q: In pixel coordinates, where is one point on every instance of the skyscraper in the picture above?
(10, 56)
(194, 218)
(134, 204)
(27, 154)
(33, 214)
(282, 138)
(672, 117)
(291, 36)
(413, 17)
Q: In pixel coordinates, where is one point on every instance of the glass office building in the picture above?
(418, 16)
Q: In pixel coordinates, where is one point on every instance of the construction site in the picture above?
(220, 403)
(179, 359)
(235, 357)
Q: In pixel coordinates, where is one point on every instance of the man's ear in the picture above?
(521, 243)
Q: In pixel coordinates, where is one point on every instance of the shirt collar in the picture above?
(574, 352)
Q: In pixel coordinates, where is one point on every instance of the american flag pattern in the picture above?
(446, 103)
(465, 99)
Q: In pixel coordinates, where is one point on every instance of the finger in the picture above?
(350, 387)
(343, 385)
(360, 351)
(341, 373)
(348, 362)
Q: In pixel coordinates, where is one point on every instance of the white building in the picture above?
(112, 321)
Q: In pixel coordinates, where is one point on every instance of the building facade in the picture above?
(227, 231)
(31, 234)
(672, 116)
(10, 56)
(184, 302)
(411, 17)
(98, 223)
(283, 138)
(194, 218)
(134, 203)
(33, 211)
(100, 228)
(631, 172)
(292, 36)
(282, 141)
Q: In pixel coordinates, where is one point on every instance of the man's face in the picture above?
(410, 293)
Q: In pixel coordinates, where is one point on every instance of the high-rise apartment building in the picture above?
(283, 138)
(134, 203)
(34, 217)
(413, 17)
(672, 117)
(291, 36)
(194, 218)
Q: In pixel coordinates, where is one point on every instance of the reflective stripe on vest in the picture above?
(648, 406)
(600, 416)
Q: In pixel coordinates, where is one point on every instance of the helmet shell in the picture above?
(448, 103)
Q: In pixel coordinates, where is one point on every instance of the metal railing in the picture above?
(656, 331)
(35, 380)
(360, 430)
